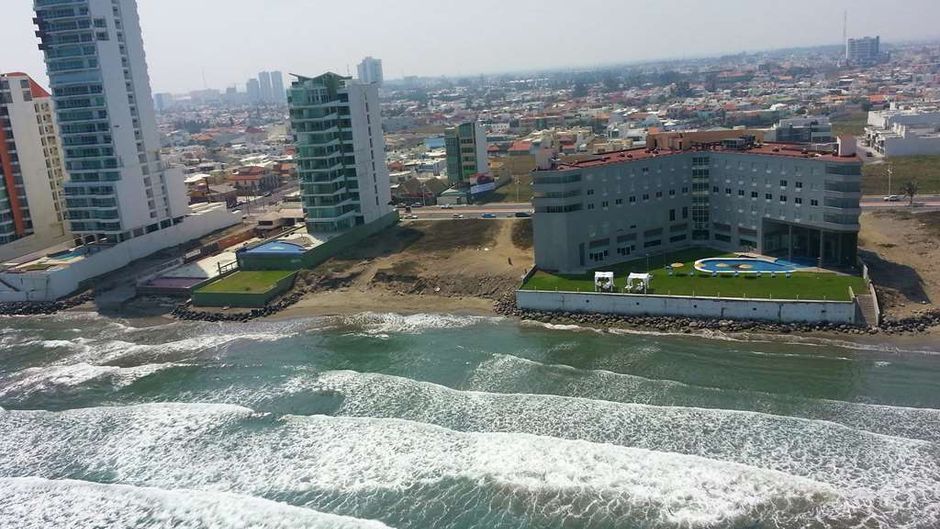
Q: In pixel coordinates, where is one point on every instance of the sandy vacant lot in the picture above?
(445, 265)
(902, 250)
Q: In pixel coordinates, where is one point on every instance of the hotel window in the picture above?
(753, 194)
(798, 200)
(646, 196)
(672, 215)
(659, 194)
(814, 202)
(740, 192)
(590, 206)
(685, 190)
(672, 192)
(728, 191)
(632, 199)
(783, 198)
(590, 192)
(768, 196)
(619, 202)
(685, 212)
(714, 189)
(605, 204)
(799, 185)
(783, 183)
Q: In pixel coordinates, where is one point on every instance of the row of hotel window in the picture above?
(625, 248)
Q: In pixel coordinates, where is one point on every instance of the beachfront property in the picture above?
(340, 158)
(122, 200)
(32, 171)
(732, 194)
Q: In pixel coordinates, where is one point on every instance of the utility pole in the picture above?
(890, 172)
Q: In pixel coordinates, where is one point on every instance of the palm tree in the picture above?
(910, 189)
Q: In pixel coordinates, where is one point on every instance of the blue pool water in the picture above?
(280, 247)
(70, 254)
(734, 264)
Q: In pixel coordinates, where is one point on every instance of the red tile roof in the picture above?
(34, 89)
(768, 149)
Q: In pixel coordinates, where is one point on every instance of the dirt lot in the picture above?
(902, 251)
(454, 265)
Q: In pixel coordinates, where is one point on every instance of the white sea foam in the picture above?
(854, 462)
(511, 373)
(386, 323)
(28, 382)
(401, 469)
(35, 503)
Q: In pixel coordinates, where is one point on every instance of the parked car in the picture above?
(488, 216)
(523, 214)
(447, 206)
(417, 205)
(458, 216)
(892, 198)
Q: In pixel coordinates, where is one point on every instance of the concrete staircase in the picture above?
(867, 305)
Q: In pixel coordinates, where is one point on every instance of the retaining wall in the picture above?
(723, 308)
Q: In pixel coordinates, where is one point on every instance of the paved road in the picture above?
(508, 209)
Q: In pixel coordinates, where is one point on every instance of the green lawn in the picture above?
(853, 124)
(247, 282)
(802, 285)
(924, 169)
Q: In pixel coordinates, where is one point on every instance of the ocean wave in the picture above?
(402, 472)
(743, 337)
(28, 382)
(854, 462)
(35, 503)
(386, 323)
(507, 373)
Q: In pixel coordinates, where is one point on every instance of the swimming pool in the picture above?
(278, 247)
(730, 265)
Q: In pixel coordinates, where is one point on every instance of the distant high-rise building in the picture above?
(267, 91)
(866, 50)
(254, 91)
(337, 127)
(118, 186)
(32, 202)
(162, 101)
(466, 152)
(370, 71)
(277, 86)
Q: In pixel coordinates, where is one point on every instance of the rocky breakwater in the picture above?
(678, 324)
(32, 308)
(917, 323)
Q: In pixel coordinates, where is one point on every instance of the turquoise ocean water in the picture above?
(440, 421)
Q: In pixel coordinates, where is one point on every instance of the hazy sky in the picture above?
(231, 40)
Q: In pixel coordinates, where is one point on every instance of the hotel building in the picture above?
(733, 194)
(337, 126)
(32, 204)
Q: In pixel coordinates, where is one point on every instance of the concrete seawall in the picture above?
(785, 311)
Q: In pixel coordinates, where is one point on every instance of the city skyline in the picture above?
(210, 57)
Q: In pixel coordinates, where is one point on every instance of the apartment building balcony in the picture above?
(328, 214)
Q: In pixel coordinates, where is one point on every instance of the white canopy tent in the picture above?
(638, 282)
(603, 281)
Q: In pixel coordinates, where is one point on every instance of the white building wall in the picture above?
(723, 308)
(369, 148)
(55, 283)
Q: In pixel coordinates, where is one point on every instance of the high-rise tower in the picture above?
(32, 203)
(370, 71)
(337, 126)
(118, 186)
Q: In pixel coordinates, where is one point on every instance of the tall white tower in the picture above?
(118, 187)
